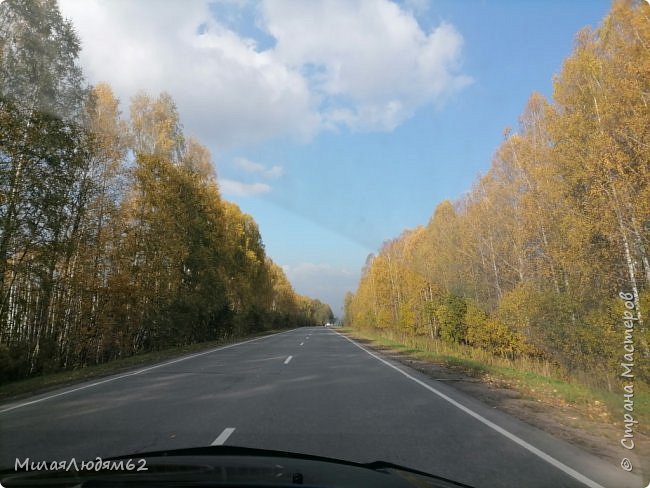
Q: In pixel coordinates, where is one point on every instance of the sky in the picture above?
(336, 124)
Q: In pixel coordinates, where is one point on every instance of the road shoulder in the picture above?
(596, 436)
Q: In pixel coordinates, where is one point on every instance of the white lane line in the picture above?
(286, 361)
(144, 370)
(516, 439)
(302, 343)
(223, 437)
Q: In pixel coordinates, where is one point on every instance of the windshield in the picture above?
(370, 230)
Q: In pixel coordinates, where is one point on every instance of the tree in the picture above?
(531, 259)
(44, 178)
(39, 69)
(156, 128)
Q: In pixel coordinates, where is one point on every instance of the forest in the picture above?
(114, 238)
(534, 260)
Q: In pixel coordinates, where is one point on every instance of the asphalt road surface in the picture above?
(307, 390)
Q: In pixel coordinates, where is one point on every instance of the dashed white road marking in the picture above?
(223, 437)
(302, 343)
(286, 361)
(516, 439)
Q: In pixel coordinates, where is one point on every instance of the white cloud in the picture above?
(228, 93)
(239, 189)
(418, 6)
(323, 281)
(362, 64)
(248, 165)
(257, 168)
(274, 171)
(369, 58)
(303, 269)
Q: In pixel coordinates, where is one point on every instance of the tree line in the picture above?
(114, 238)
(531, 261)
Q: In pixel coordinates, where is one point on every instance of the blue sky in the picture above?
(336, 124)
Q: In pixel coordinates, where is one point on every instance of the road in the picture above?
(307, 390)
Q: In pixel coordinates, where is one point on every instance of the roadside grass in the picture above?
(533, 380)
(46, 382)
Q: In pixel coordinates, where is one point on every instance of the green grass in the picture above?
(535, 380)
(39, 384)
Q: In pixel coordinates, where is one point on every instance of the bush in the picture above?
(451, 316)
(14, 362)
